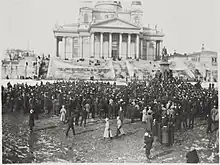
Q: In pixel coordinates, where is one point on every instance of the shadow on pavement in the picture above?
(85, 131)
(162, 154)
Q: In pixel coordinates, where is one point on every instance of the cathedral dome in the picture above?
(110, 5)
(137, 5)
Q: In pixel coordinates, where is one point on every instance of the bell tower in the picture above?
(85, 13)
(137, 13)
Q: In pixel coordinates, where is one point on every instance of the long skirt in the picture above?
(144, 118)
(62, 117)
(107, 133)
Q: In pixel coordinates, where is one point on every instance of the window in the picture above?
(214, 59)
(86, 18)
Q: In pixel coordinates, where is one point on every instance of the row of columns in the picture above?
(58, 39)
(137, 53)
(120, 44)
(157, 48)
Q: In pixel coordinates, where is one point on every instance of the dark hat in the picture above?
(192, 157)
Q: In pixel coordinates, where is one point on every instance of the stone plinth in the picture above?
(164, 68)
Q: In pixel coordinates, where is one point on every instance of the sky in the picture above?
(187, 24)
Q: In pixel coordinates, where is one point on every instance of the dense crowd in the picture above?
(164, 105)
(105, 99)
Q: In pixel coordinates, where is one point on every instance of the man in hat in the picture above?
(192, 157)
(148, 141)
(70, 124)
(31, 120)
(85, 112)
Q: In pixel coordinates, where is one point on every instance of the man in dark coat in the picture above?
(70, 125)
(31, 120)
(77, 112)
(208, 112)
(148, 141)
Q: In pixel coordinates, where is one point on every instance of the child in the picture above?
(148, 141)
(107, 132)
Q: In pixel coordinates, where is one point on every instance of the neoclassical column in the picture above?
(110, 45)
(158, 47)
(141, 49)
(81, 46)
(92, 44)
(137, 46)
(129, 45)
(161, 47)
(120, 44)
(156, 51)
(57, 46)
(64, 47)
(73, 47)
(101, 44)
(147, 50)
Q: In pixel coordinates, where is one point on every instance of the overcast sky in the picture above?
(186, 23)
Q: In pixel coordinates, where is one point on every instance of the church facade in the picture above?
(108, 30)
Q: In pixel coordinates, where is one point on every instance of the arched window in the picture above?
(86, 18)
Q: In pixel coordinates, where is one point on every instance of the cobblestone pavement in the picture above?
(49, 144)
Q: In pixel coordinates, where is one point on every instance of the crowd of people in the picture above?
(171, 102)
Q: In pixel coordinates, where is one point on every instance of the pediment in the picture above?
(115, 23)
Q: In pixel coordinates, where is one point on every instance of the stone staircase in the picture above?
(77, 69)
(121, 70)
(181, 69)
(142, 69)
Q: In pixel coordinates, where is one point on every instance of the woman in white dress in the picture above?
(63, 114)
(107, 132)
(144, 115)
